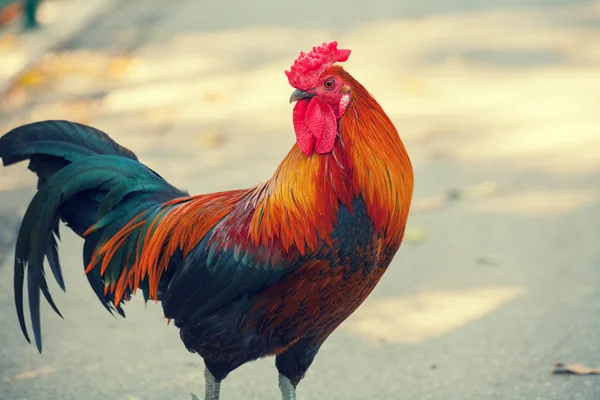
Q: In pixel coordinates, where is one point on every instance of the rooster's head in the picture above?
(323, 92)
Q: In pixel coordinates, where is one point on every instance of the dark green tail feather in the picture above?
(84, 177)
(52, 255)
(98, 173)
(61, 139)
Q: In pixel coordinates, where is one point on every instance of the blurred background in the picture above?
(498, 103)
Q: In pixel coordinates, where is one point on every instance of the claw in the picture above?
(194, 397)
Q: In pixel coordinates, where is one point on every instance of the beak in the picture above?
(299, 95)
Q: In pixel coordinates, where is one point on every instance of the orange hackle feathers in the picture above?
(299, 203)
(381, 168)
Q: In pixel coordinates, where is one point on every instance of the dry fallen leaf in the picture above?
(575, 369)
(33, 77)
(73, 67)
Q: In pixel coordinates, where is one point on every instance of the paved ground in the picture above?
(20, 49)
(499, 105)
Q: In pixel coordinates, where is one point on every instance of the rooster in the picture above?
(268, 271)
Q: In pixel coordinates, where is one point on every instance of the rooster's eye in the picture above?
(329, 84)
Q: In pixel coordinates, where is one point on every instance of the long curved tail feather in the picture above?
(85, 179)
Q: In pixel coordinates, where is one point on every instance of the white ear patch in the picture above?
(344, 101)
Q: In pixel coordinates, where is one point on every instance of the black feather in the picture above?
(19, 279)
(77, 166)
(33, 287)
(62, 139)
(52, 255)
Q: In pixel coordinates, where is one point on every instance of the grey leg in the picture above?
(213, 387)
(288, 391)
(293, 364)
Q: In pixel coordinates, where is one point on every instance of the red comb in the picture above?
(308, 67)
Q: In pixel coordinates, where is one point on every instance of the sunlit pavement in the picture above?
(499, 107)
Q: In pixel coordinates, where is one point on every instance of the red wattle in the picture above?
(306, 141)
(322, 123)
(315, 126)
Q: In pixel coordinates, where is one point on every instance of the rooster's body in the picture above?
(244, 274)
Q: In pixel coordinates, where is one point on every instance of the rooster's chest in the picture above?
(355, 244)
(322, 294)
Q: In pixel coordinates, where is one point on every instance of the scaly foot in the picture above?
(288, 390)
(212, 387)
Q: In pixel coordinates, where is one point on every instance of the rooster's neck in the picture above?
(381, 168)
(299, 204)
